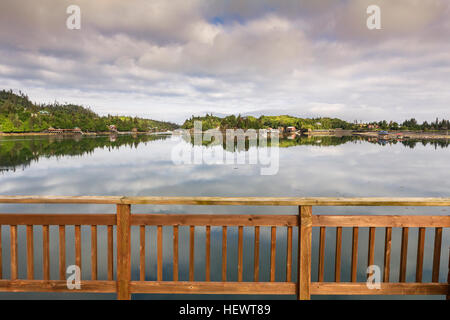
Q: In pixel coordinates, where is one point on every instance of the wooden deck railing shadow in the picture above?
(123, 220)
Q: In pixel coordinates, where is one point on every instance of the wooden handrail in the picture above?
(304, 221)
(249, 201)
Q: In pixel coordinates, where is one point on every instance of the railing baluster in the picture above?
(304, 246)
(240, 252)
(224, 253)
(191, 253)
(110, 253)
(404, 254)
(142, 253)
(30, 253)
(256, 256)
(289, 255)
(437, 254)
(175, 253)
(62, 252)
(78, 247)
(371, 253)
(354, 254)
(387, 254)
(14, 265)
(337, 258)
(46, 251)
(208, 254)
(420, 250)
(321, 254)
(160, 255)
(94, 252)
(273, 248)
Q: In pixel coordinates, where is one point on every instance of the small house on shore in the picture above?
(291, 129)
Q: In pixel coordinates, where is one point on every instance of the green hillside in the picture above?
(19, 114)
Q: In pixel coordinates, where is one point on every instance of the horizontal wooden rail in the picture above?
(57, 219)
(96, 286)
(119, 227)
(349, 288)
(380, 221)
(250, 201)
(214, 220)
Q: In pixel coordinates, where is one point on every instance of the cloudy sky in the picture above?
(171, 59)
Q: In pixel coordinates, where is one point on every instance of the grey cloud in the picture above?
(170, 59)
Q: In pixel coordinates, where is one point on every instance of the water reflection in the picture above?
(142, 165)
(21, 151)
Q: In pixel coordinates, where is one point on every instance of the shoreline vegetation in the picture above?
(19, 116)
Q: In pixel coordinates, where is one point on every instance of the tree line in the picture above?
(210, 121)
(19, 114)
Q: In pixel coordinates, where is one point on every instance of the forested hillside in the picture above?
(19, 114)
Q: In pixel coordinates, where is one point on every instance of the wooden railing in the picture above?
(123, 220)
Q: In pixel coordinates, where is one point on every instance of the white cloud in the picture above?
(170, 59)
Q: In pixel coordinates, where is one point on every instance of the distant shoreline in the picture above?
(75, 134)
(337, 133)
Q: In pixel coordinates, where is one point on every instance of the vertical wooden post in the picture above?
(304, 254)
(123, 252)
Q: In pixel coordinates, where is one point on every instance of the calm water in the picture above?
(142, 166)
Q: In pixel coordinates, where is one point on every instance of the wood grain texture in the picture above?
(175, 253)
(420, 252)
(289, 255)
(394, 221)
(55, 286)
(240, 252)
(14, 262)
(321, 264)
(265, 201)
(273, 253)
(191, 253)
(208, 254)
(213, 287)
(46, 252)
(247, 220)
(371, 251)
(110, 249)
(337, 258)
(304, 265)
(224, 253)
(62, 252)
(256, 256)
(354, 266)
(94, 254)
(30, 252)
(142, 253)
(437, 254)
(349, 288)
(78, 248)
(159, 258)
(404, 254)
(57, 219)
(123, 252)
(387, 254)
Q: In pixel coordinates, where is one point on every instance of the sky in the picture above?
(169, 60)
